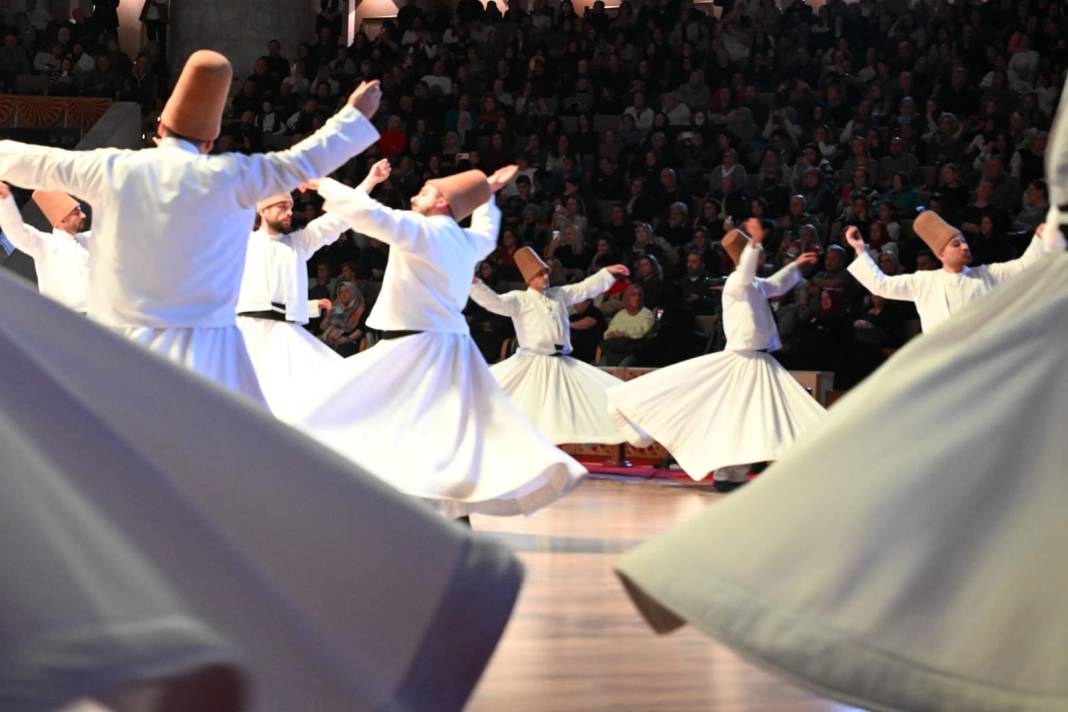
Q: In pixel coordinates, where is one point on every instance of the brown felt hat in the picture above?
(195, 109)
(464, 191)
(273, 200)
(529, 263)
(932, 229)
(734, 242)
(54, 204)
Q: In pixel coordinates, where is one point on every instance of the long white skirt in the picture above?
(425, 414)
(336, 591)
(216, 353)
(713, 411)
(290, 363)
(912, 554)
(563, 397)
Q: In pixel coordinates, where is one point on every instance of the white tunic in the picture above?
(424, 411)
(736, 407)
(289, 361)
(564, 397)
(229, 518)
(912, 554)
(171, 228)
(541, 318)
(276, 267)
(939, 293)
(61, 259)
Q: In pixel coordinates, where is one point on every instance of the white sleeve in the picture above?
(344, 135)
(26, 238)
(503, 304)
(745, 273)
(485, 223)
(320, 232)
(904, 287)
(781, 282)
(40, 167)
(400, 228)
(594, 285)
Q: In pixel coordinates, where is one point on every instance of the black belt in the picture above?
(559, 350)
(387, 335)
(268, 314)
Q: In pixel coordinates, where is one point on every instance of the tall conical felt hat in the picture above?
(54, 204)
(464, 191)
(933, 230)
(273, 200)
(196, 106)
(734, 242)
(529, 263)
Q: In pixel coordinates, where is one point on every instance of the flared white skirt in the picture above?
(565, 398)
(713, 411)
(912, 552)
(290, 363)
(424, 413)
(217, 353)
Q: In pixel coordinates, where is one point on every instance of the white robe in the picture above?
(332, 590)
(731, 408)
(912, 554)
(289, 361)
(563, 397)
(423, 411)
(61, 259)
(938, 293)
(170, 231)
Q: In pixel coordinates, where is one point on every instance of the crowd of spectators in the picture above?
(644, 131)
(74, 53)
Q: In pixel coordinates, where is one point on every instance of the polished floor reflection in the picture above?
(576, 643)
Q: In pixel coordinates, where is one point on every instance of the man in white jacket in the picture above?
(726, 411)
(172, 223)
(564, 397)
(61, 257)
(940, 293)
(272, 306)
(421, 408)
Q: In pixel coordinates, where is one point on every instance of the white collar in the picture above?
(179, 143)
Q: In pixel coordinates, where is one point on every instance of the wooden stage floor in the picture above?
(576, 643)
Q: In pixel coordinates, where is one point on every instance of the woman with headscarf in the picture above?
(340, 327)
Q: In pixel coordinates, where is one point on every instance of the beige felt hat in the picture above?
(529, 263)
(54, 204)
(734, 242)
(274, 200)
(932, 229)
(196, 106)
(464, 191)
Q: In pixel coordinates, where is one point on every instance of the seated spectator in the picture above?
(568, 246)
(646, 242)
(649, 275)
(897, 161)
(587, 330)
(903, 197)
(624, 334)
(696, 289)
(1036, 205)
(340, 326)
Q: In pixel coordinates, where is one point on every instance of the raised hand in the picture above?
(366, 98)
(618, 270)
(755, 229)
(380, 171)
(852, 236)
(502, 177)
(807, 258)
